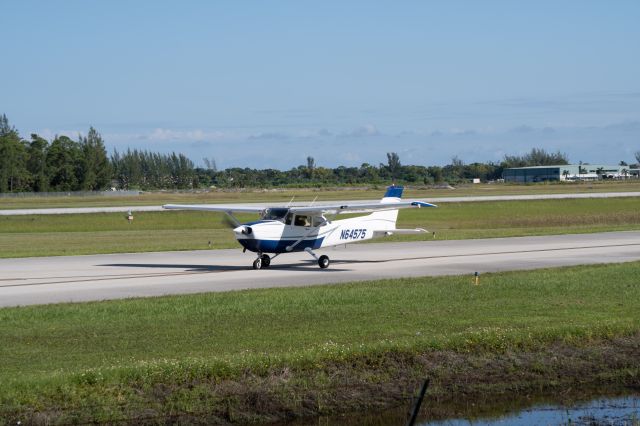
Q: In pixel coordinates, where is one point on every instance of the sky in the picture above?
(265, 84)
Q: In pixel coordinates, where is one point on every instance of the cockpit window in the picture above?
(275, 214)
(302, 221)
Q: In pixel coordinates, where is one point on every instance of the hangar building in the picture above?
(568, 172)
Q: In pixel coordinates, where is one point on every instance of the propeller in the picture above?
(229, 221)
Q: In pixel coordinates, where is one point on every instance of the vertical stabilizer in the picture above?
(390, 217)
(393, 194)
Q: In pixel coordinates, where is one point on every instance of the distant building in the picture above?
(568, 172)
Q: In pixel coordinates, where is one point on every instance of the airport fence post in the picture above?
(417, 403)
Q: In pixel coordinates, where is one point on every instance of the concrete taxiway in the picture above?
(45, 280)
(435, 200)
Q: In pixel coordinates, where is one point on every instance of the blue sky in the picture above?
(265, 84)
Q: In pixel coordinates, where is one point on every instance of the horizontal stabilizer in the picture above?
(415, 231)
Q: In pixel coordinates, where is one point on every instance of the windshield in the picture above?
(275, 214)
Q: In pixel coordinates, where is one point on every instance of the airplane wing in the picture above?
(360, 208)
(334, 209)
(216, 208)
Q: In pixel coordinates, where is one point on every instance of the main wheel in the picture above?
(266, 261)
(323, 262)
(257, 264)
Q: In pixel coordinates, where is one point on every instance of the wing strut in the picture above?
(313, 228)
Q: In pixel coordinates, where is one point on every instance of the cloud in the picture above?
(625, 126)
(406, 134)
(160, 134)
(426, 143)
(578, 103)
(269, 136)
(523, 128)
(50, 135)
(362, 131)
(463, 132)
(526, 103)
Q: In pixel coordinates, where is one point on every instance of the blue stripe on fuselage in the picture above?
(256, 222)
(278, 246)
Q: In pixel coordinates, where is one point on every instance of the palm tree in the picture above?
(580, 170)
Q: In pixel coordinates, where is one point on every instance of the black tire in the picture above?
(266, 261)
(323, 262)
(257, 264)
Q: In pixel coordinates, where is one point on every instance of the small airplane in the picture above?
(306, 228)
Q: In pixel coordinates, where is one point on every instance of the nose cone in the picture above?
(243, 231)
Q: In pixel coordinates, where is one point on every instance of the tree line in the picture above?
(65, 164)
(310, 175)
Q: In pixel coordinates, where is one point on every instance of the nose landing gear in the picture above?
(263, 261)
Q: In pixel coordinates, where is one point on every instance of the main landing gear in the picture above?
(263, 260)
(323, 261)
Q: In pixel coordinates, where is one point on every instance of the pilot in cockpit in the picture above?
(302, 221)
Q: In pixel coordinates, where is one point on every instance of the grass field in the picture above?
(44, 235)
(172, 354)
(323, 194)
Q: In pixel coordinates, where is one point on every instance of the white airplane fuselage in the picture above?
(307, 228)
(284, 236)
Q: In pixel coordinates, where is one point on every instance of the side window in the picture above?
(302, 221)
(289, 219)
(317, 221)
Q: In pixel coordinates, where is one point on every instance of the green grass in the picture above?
(323, 194)
(44, 235)
(104, 351)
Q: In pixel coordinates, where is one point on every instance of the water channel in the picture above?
(623, 410)
(618, 410)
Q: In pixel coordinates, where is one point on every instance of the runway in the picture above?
(29, 281)
(436, 200)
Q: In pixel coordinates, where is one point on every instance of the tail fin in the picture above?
(393, 195)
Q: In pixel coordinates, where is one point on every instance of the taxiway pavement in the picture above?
(435, 200)
(29, 281)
